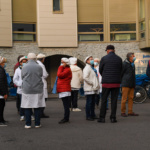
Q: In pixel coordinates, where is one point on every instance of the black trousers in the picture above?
(2, 105)
(74, 99)
(114, 97)
(66, 102)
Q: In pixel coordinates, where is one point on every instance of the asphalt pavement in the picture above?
(131, 133)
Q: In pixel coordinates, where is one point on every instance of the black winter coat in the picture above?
(148, 69)
(128, 75)
(111, 68)
(3, 82)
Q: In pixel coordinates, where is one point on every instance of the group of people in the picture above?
(30, 79)
(100, 78)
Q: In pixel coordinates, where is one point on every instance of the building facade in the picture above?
(77, 28)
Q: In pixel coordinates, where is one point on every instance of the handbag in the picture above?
(54, 91)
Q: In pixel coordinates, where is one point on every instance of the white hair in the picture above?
(97, 59)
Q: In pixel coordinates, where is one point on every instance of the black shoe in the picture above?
(6, 122)
(113, 120)
(44, 116)
(101, 120)
(95, 117)
(89, 119)
(63, 121)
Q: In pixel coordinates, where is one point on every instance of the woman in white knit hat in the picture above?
(40, 61)
(17, 80)
(32, 90)
(64, 87)
(3, 90)
(77, 79)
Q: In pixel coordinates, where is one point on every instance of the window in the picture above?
(24, 32)
(123, 32)
(142, 19)
(142, 9)
(57, 6)
(90, 32)
(142, 29)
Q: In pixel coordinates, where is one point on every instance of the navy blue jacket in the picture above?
(111, 68)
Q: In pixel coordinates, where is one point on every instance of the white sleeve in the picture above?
(16, 79)
(45, 74)
(86, 74)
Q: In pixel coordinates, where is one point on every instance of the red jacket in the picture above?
(64, 79)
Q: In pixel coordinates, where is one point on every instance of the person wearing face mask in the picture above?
(3, 90)
(17, 80)
(91, 86)
(128, 85)
(64, 87)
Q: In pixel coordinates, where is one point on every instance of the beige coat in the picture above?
(77, 77)
(91, 82)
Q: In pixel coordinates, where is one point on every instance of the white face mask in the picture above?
(95, 63)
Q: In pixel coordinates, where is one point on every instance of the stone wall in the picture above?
(83, 50)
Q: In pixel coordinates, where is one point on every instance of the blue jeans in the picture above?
(37, 114)
(21, 110)
(90, 106)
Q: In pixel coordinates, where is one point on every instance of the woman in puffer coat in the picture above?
(64, 87)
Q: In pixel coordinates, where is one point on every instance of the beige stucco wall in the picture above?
(122, 10)
(57, 30)
(5, 23)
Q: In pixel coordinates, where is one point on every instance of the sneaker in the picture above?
(38, 126)
(22, 118)
(2, 124)
(27, 127)
(76, 109)
(32, 118)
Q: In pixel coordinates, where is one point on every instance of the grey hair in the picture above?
(129, 55)
(97, 59)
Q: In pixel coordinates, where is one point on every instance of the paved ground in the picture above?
(132, 133)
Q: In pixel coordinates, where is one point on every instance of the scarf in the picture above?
(95, 71)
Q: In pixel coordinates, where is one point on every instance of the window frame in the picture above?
(24, 32)
(122, 32)
(61, 8)
(91, 33)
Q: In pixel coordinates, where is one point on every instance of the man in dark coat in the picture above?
(110, 69)
(3, 90)
(128, 85)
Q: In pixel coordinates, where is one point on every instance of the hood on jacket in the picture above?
(126, 60)
(74, 68)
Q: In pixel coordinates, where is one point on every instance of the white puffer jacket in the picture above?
(91, 82)
(77, 77)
